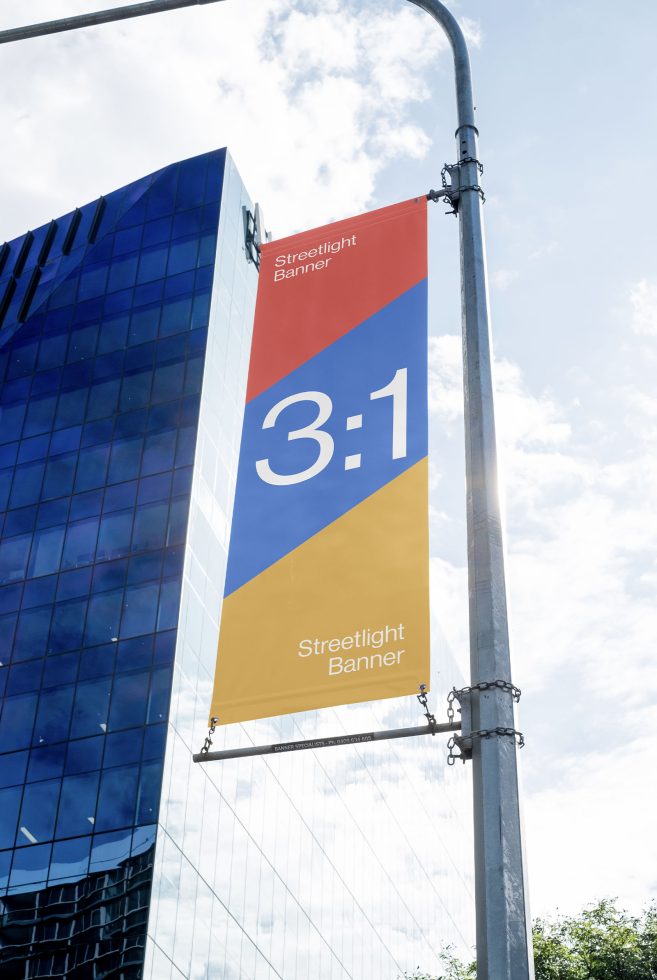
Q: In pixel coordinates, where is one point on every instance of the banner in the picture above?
(326, 596)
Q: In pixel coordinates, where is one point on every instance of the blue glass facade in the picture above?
(103, 328)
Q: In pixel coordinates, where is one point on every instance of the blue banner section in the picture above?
(330, 434)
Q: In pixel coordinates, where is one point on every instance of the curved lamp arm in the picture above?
(464, 99)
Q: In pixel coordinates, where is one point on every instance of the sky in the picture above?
(334, 108)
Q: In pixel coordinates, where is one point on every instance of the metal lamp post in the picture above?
(504, 950)
(488, 736)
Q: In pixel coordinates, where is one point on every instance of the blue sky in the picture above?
(333, 108)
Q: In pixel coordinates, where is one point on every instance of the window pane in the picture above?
(167, 380)
(158, 705)
(39, 591)
(54, 715)
(70, 859)
(19, 521)
(46, 762)
(150, 527)
(25, 677)
(122, 273)
(149, 792)
(37, 819)
(30, 865)
(175, 316)
(12, 770)
(120, 497)
(136, 390)
(116, 801)
(27, 484)
(91, 707)
(80, 545)
(186, 446)
(182, 255)
(109, 850)
(11, 422)
(103, 399)
(61, 670)
(139, 610)
(6, 477)
(59, 475)
(16, 722)
(67, 626)
(32, 633)
(40, 416)
(103, 618)
(13, 558)
(92, 468)
(152, 264)
(129, 698)
(125, 460)
(158, 452)
(123, 747)
(169, 605)
(82, 342)
(86, 505)
(115, 533)
(77, 809)
(113, 334)
(71, 407)
(33, 449)
(46, 551)
(84, 754)
(177, 522)
(10, 801)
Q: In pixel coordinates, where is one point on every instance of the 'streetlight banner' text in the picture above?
(327, 593)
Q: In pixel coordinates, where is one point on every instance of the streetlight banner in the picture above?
(327, 595)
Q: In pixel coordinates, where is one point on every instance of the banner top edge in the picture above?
(336, 227)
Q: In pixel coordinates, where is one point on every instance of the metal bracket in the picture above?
(250, 233)
(205, 748)
(463, 742)
(431, 718)
(480, 166)
(436, 195)
(452, 188)
(254, 234)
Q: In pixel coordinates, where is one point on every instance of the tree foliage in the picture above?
(601, 943)
(454, 969)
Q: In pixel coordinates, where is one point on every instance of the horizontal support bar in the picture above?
(98, 17)
(325, 743)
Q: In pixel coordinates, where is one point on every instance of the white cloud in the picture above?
(472, 30)
(525, 419)
(502, 279)
(581, 538)
(445, 374)
(313, 103)
(595, 826)
(643, 299)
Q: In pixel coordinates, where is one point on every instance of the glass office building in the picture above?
(124, 339)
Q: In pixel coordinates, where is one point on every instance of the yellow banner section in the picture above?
(342, 618)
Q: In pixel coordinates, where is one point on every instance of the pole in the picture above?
(281, 748)
(97, 17)
(504, 949)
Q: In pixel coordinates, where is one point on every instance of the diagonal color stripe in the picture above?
(365, 572)
(268, 520)
(317, 286)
